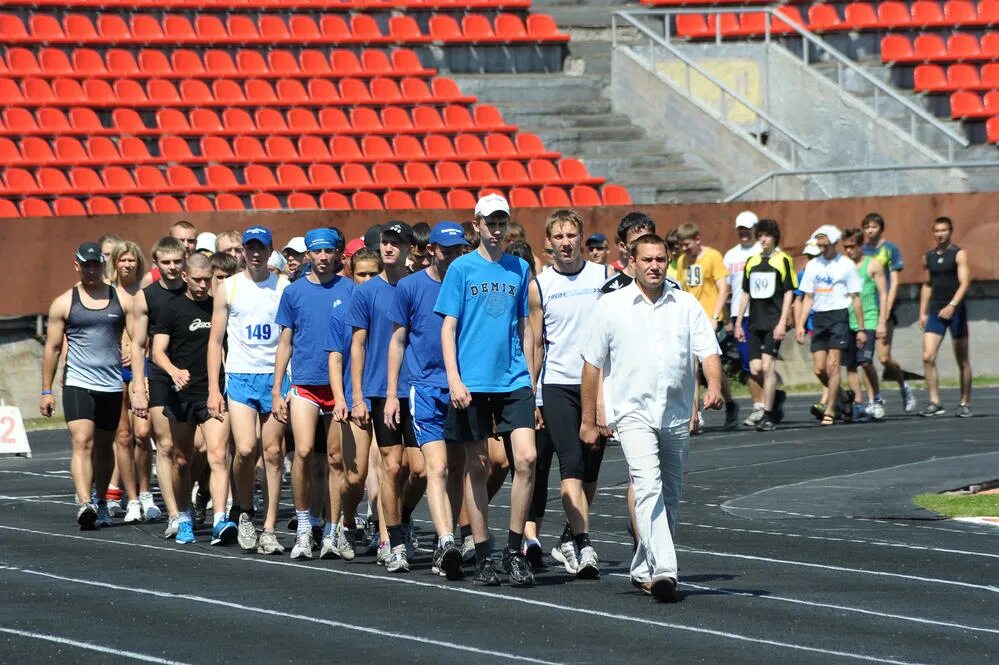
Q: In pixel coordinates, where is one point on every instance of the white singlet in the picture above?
(567, 301)
(252, 333)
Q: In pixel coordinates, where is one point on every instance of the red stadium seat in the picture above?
(46, 28)
(210, 30)
(481, 173)
(151, 179)
(387, 174)
(438, 148)
(52, 180)
(992, 129)
(87, 62)
(404, 30)
(228, 90)
(133, 205)
(22, 61)
(176, 149)
(510, 28)
(398, 201)
(32, 207)
(468, 146)
(178, 29)
(962, 46)
(521, 197)
(155, 63)
(283, 63)
(376, 63)
(543, 28)
(584, 195)
(513, 172)
(334, 201)
(121, 63)
(355, 175)
(145, 29)
(924, 14)
(258, 178)
(896, 48)
(165, 203)
(260, 93)
(229, 202)
(236, 121)
(313, 148)
(112, 28)
(7, 208)
(206, 121)
(198, 203)
(101, 149)
(216, 149)
(303, 29)
(450, 174)
(861, 16)
(543, 171)
(366, 201)
(251, 63)
(101, 205)
(427, 199)
(616, 195)
(278, 148)
(386, 91)
(270, 121)
(930, 78)
(334, 121)
(460, 199)
(419, 174)
(70, 151)
(273, 29)
(929, 46)
(67, 206)
(445, 29)
(458, 119)
(344, 62)
(118, 179)
(36, 151)
(242, 29)
(292, 177)
(407, 148)
(12, 28)
(405, 61)
(19, 180)
(554, 196)
(302, 201)
(476, 28)
(963, 77)
(221, 177)
(183, 178)
(958, 12)
(9, 154)
(376, 148)
(324, 176)
(220, 63)
(133, 150)
(291, 92)
(53, 121)
(55, 63)
(896, 15)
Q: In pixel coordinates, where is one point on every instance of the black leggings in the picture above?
(101, 408)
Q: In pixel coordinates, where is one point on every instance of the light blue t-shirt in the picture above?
(338, 339)
(488, 299)
(369, 311)
(413, 307)
(305, 308)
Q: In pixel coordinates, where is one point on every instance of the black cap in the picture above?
(401, 229)
(89, 251)
(373, 237)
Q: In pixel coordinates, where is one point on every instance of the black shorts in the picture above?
(384, 436)
(831, 330)
(184, 410)
(563, 414)
(159, 392)
(319, 446)
(762, 342)
(101, 408)
(507, 411)
(854, 356)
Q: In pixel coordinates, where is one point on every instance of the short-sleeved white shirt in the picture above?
(647, 352)
(830, 281)
(735, 262)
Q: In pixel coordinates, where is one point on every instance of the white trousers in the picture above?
(655, 462)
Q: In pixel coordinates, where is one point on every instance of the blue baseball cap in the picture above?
(447, 234)
(596, 239)
(317, 239)
(261, 234)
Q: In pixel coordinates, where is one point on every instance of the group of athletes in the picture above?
(434, 361)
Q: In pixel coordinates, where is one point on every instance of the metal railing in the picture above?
(760, 137)
(914, 113)
(895, 169)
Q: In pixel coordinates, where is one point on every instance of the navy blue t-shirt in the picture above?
(488, 298)
(413, 307)
(305, 308)
(369, 309)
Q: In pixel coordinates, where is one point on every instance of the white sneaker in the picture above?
(329, 550)
(149, 510)
(115, 509)
(246, 533)
(876, 409)
(755, 417)
(384, 552)
(468, 549)
(565, 554)
(588, 568)
(397, 561)
(173, 525)
(908, 398)
(303, 546)
(268, 544)
(345, 543)
(134, 512)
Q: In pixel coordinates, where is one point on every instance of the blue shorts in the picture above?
(253, 390)
(957, 324)
(428, 405)
(743, 347)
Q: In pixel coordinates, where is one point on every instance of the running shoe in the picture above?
(766, 425)
(467, 549)
(963, 411)
(86, 516)
(755, 417)
(412, 542)
(859, 413)
(932, 410)
(185, 532)
(663, 589)
(374, 536)
(303, 546)
(876, 409)
(171, 527)
(246, 533)
(361, 542)
(565, 554)
(224, 533)
(447, 561)
(731, 415)
(268, 543)
(517, 568)
(397, 561)
(485, 574)
(115, 509)
(818, 410)
(780, 397)
(134, 512)
(588, 568)
(344, 542)
(150, 512)
(201, 507)
(534, 554)
(328, 549)
(384, 552)
(908, 398)
(103, 515)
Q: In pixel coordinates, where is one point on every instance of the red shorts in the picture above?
(319, 396)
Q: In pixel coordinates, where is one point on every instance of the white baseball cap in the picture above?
(206, 241)
(491, 203)
(831, 233)
(277, 261)
(746, 220)
(296, 244)
(811, 249)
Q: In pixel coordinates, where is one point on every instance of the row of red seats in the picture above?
(228, 93)
(48, 180)
(754, 24)
(934, 78)
(392, 120)
(144, 29)
(244, 5)
(930, 47)
(215, 63)
(969, 105)
(130, 150)
(456, 199)
(702, 3)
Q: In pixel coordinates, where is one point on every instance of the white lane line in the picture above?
(90, 647)
(493, 596)
(839, 608)
(275, 613)
(31, 499)
(800, 458)
(55, 474)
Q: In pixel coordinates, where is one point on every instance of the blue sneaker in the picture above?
(224, 533)
(185, 532)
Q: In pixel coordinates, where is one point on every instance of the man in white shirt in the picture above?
(644, 339)
(735, 262)
(831, 286)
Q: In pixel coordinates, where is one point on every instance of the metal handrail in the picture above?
(877, 168)
(810, 37)
(726, 90)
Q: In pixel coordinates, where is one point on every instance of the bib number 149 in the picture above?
(259, 332)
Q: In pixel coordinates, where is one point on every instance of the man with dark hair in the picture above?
(874, 298)
(187, 234)
(419, 258)
(942, 307)
(632, 226)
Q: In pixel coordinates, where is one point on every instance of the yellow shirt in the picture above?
(701, 277)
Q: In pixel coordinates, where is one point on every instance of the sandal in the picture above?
(827, 419)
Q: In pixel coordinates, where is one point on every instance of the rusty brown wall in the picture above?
(36, 256)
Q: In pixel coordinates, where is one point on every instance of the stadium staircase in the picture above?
(115, 106)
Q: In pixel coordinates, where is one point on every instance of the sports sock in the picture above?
(482, 551)
(566, 533)
(396, 535)
(303, 522)
(582, 540)
(514, 540)
(184, 517)
(328, 529)
(315, 521)
(465, 530)
(218, 517)
(407, 515)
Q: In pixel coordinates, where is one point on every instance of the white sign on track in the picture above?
(13, 438)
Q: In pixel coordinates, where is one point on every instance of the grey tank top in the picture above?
(93, 336)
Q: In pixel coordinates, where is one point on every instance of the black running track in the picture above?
(799, 546)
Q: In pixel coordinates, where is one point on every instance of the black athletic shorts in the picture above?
(831, 330)
(190, 411)
(563, 414)
(403, 434)
(159, 392)
(320, 441)
(762, 342)
(101, 408)
(509, 411)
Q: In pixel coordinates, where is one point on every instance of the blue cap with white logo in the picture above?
(317, 239)
(261, 234)
(448, 234)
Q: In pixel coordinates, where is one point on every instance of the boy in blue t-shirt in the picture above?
(415, 350)
(483, 300)
(303, 315)
(370, 336)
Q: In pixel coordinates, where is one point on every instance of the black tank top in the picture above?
(942, 267)
(156, 297)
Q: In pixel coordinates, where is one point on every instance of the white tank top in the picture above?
(567, 301)
(252, 333)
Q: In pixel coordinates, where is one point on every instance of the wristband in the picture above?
(46, 392)
(953, 304)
